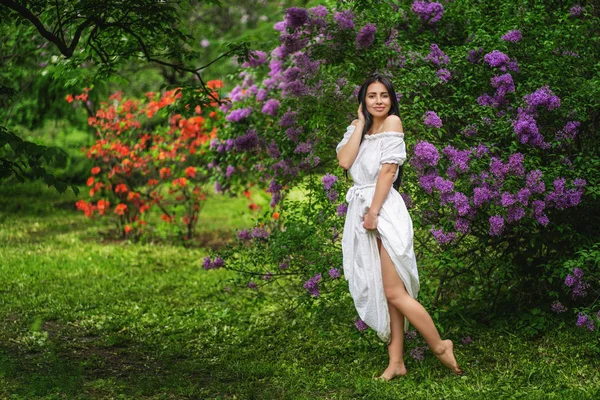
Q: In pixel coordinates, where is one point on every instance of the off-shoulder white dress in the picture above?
(362, 264)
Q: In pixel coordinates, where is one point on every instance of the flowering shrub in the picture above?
(500, 143)
(148, 162)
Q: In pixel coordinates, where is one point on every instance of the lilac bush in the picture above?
(499, 144)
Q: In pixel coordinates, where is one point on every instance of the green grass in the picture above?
(84, 318)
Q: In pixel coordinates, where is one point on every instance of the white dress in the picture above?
(362, 265)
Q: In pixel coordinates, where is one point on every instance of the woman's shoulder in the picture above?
(392, 124)
(355, 122)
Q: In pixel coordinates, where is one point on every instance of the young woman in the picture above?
(377, 245)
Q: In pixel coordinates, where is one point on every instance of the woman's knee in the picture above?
(394, 294)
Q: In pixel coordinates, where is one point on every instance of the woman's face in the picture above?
(377, 100)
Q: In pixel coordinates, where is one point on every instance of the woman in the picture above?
(379, 261)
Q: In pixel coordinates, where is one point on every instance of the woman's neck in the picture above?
(377, 125)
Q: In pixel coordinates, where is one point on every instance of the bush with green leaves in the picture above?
(499, 103)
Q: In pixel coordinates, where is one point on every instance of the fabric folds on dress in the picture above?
(361, 261)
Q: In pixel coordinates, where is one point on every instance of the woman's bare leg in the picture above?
(396, 366)
(414, 311)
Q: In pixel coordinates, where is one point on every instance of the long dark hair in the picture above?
(394, 110)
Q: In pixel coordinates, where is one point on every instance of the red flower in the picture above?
(90, 181)
(102, 206)
(120, 209)
(165, 218)
(253, 206)
(165, 172)
(275, 215)
(190, 172)
(69, 98)
(127, 229)
(121, 187)
(96, 170)
(152, 182)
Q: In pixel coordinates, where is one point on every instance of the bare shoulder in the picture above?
(392, 123)
(355, 122)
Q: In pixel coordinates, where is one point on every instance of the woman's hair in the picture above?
(394, 110)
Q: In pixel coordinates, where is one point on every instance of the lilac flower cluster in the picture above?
(256, 58)
(497, 59)
(342, 209)
(436, 55)
(360, 324)
(474, 55)
(217, 263)
(430, 12)
(570, 131)
(557, 307)
(344, 19)
(431, 119)
(366, 36)
(312, 285)
(513, 36)
(246, 142)
(584, 321)
(239, 114)
(328, 183)
(444, 75)
(418, 352)
(426, 155)
(562, 198)
(576, 11)
(398, 60)
(296, 17)
(441, 237)
(504, 84)
(270, 107)
(334, 273)
(543, 97)
(576, 283)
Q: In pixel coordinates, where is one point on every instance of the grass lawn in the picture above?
(86, 318)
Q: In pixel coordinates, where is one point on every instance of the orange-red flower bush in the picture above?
(148, 162)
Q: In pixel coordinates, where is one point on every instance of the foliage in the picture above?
(147, 159)
(83, 319)
(504, 176)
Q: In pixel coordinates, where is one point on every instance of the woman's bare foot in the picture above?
(447, 358)
(392, 371)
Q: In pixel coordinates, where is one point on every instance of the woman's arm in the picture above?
(349, 151)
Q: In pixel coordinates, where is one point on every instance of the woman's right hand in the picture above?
(361, 116)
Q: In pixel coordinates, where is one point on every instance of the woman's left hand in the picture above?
(370, 221)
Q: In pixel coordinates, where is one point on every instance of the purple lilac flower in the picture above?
(496, 225)
(481, 150)
(576, 11)
(255, 59)
(428, 12)
(218, 262)
(534, 181)
(431, 119)
(583, 321)
(426, 155)
(273, 150)
(218, 188)
(304, 147)
(543, 97)
(481, 195)
(458, 158)
(570, 130)
(239, 114)
(342, 209)
(262, 95)
(334, 273)
(470, 130)
(244, 234)
(496, 59)
(284, 265)
(332, 195)
(207, 263)
(507, 199)
(513, 36)
(561, 198)
(504, 84)
(418, 353)
(293, 133)
(225, 107)
(441, 237)
(267, 276)
(312, 285)
(474, 55)
(344, 19)
(436, 55)
(270, 107)
(443, 185)
(498, 168)
(366, 36)
(230, 171)
(579, 182)
(360, 324)
(515, 164)
(252, 285)
(410, 335)
(328, 181)
(444, 75)
(318, 14)
(259, 233)
(462, 225)
(296, 17)
(467, 340)
(247, 141)
(426, 182)
(523, 196)
(514, 214)
(527, 131)
(288, 119)
(557, 307)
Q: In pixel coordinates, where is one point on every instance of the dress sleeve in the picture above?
(393, 150)
(349, 132)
